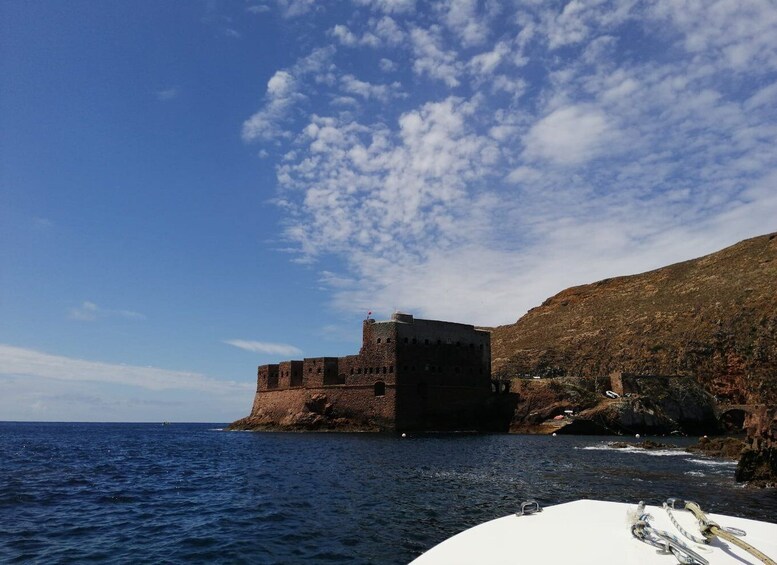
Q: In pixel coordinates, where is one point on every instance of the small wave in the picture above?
(694, 473)
(713, 462)
(653, 452)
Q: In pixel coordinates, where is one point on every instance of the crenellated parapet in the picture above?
(409, 373)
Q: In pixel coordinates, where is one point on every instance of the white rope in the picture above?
(682, 530)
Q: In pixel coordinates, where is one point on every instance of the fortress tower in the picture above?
(410, 374)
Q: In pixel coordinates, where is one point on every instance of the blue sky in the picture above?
(190, 189)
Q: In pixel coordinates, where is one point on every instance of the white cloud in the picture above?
(32, 363)
(463, 17)
(90, 312)
(579, 20)
(733, 34)
(485, 63)
(264, 347)
(388, 6)
(432, 59)
(569, 135)
(281, 96)
(538, 148)
(387, 65)
(283, 93)
(345, 37)
(295, 8)
(375, 190)
(258, 9)
(382, 92)
(389, 31)
(167, 94)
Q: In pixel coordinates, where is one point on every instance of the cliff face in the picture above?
(758, 463)
(653, 405)
(712, 318)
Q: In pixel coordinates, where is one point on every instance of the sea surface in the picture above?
(152, 493)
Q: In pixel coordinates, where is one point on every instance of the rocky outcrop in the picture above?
(725, 447)
(569, 405)
(758, 463)
(317, 414)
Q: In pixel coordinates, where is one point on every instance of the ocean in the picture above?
(153, 493)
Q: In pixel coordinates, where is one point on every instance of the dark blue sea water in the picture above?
(191, 493)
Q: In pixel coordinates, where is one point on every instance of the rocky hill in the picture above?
(712, 318)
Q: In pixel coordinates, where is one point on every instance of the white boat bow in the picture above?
(593, 531)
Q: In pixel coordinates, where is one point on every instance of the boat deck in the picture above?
(592, 531)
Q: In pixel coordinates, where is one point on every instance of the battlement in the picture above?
(408, 371)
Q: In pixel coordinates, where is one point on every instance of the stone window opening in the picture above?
(352, 371)
(318, 370)
(358, 370)
(378, 340)
(391, 368)
(380, 388)
(310, 369)
(426, 342)
(384, 370)
(388, 340)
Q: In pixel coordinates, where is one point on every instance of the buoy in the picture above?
(554, 434)
(637, 436)
(404, 434)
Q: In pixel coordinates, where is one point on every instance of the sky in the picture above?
(189, 189)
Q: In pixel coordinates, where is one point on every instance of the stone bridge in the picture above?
(733, 415)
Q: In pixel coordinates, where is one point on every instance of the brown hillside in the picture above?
(713, 318)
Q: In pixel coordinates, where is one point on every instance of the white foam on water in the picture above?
(713, 462)
(695, 474)
(638, 450)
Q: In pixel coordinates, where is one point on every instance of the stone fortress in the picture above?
(410, 374)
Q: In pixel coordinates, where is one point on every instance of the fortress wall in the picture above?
(284, 374)
(440, 407)
(359, 404)
(442, 370)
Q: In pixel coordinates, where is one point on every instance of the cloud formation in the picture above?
(19, 361)
(537, 146)
(91, 312)
(265, 347)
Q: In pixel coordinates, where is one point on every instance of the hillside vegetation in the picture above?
(713, 318)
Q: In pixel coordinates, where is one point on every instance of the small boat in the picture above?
(612, 394)
(596, 532)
